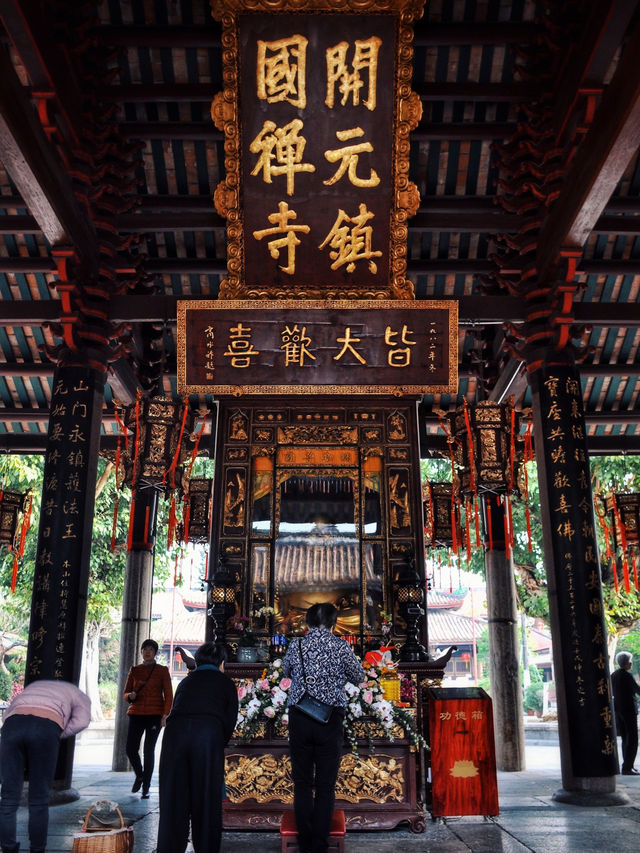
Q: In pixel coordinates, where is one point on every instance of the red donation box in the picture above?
(463, 757)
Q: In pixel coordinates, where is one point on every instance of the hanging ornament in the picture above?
(489, 455)
(13, 534)
(623, 509)
(156, 452)
(197, 517)
(442, 517)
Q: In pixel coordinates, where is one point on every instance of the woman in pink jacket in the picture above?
(32, 728)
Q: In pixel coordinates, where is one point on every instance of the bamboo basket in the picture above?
(107, 841)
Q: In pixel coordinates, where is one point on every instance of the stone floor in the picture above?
(529, 819)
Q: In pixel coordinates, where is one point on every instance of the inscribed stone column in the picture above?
(585, 719)
(506, 688)
(61, 573)
(136, 607)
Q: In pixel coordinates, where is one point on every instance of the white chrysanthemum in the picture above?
(350, 689)
(355, 708)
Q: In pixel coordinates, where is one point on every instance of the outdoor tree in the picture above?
(106, 569)
(609, 473)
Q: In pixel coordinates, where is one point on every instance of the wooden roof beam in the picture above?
(426, 33)
(591, 57)
(612, 140)
(476, 310)
(34, 167)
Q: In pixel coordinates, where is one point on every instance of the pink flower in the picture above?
(368, 696)
(269, 711)
(242, 692)
(264, 684)
(285, 684)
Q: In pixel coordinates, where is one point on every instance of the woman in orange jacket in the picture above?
(149, 694)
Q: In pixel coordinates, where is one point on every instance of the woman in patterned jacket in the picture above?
(316, 748)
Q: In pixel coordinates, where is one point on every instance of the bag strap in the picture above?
(145, 682)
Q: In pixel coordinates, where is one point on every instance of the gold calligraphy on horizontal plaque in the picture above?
(299, 347)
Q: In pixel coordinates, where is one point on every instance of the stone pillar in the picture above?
(136, 607)
(61, 575)
(588, 751)
(504, 662)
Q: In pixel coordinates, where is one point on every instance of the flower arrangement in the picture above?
(247, 635)
(266, 699)
(387, 623)
(261, 700)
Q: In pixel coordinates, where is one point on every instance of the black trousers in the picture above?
(191, 776)
(316, 750)
(149, 726)
(627, 726)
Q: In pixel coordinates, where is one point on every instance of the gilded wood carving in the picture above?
(277, 73)
(266, 778)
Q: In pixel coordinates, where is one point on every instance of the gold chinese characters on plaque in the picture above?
(316, 114)
(399, 347)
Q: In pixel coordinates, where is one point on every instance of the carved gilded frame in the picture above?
(407, 115)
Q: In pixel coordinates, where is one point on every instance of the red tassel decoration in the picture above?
(130, 532)
(489, 526)
(615, 575)
(171, 526)
(174, 463)
(26, 524)
(623, 544)
(476, 519)
(14, 574)
(467, 523)
(635, 570)
(472, 481)
(114, 522)
(507, 551)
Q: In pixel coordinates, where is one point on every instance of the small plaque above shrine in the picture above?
(398, 347)
(316, 114)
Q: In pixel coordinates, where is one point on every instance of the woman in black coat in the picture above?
(203, 717)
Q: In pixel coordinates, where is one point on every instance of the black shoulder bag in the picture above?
(309, 705)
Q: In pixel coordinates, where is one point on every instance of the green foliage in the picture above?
(109, 655)
(532, 700)
(108, 697)
(5, 685)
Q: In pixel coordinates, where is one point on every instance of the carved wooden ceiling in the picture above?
(527, 149)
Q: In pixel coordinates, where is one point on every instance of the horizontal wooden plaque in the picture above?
(392, 347)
